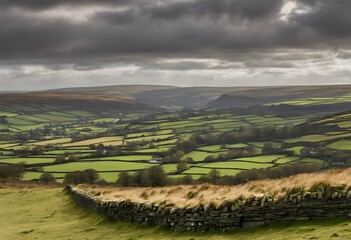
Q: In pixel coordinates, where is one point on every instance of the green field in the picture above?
(52, 142)
(68, 150)
(237, 165)
(315, 101)
(111, 176)
(199, 156)
(262, 159)
(340, 145)
(128, 158)
(98, 166)
(196, 171)
(170, 167)
(219, 148)
(31, 160)
(36, 175)
(317, 138)
(312, 160)
(296, 149)
(117, 139)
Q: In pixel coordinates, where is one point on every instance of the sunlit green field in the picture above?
(315, 101)
(98, 166)
(341, 145)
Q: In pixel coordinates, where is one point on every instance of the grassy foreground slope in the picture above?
(44, 213)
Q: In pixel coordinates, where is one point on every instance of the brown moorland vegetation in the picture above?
(194, 195)
(72, 100)
(56, 96)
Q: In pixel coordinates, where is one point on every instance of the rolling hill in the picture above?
(121, 90)
(214, 97)
(194, 97)
(38, 101)
(190, 97)
(159, 94)
(264, 95)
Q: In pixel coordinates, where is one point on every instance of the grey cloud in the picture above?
(327, 17)
(230, 30)
(33, 37)
(344, 54)
(47, 4)
(250, 9)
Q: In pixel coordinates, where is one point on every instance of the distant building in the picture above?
(339, 163)
(156, 160)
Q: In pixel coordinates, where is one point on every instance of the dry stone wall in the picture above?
(231, 215)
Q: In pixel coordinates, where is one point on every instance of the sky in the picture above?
(47, 44)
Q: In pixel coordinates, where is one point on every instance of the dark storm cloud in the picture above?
(46, 4)
(22, 36)
(327, 17)
(140, 31)
(251, 9)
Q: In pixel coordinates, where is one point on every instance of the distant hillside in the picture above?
(265, 95)
(6, 92)
(186, 97)
(33, 102)
(214, 97)
(160, 94)
(125, 90)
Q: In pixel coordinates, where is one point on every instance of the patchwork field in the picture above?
(71, 140)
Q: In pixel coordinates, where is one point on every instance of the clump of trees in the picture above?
(102, 150)
(213, 177)
(182, 166)
(38, 150)
(275, 148)
(47, 178)
(155, 176)
(135, 144)
(67, 157)
(3, 120)
(174, 156)
(13, 171)
(89, 176)
(238, 153)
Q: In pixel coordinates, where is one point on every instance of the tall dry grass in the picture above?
(193, 195)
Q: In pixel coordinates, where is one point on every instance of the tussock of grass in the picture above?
(194, 195)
